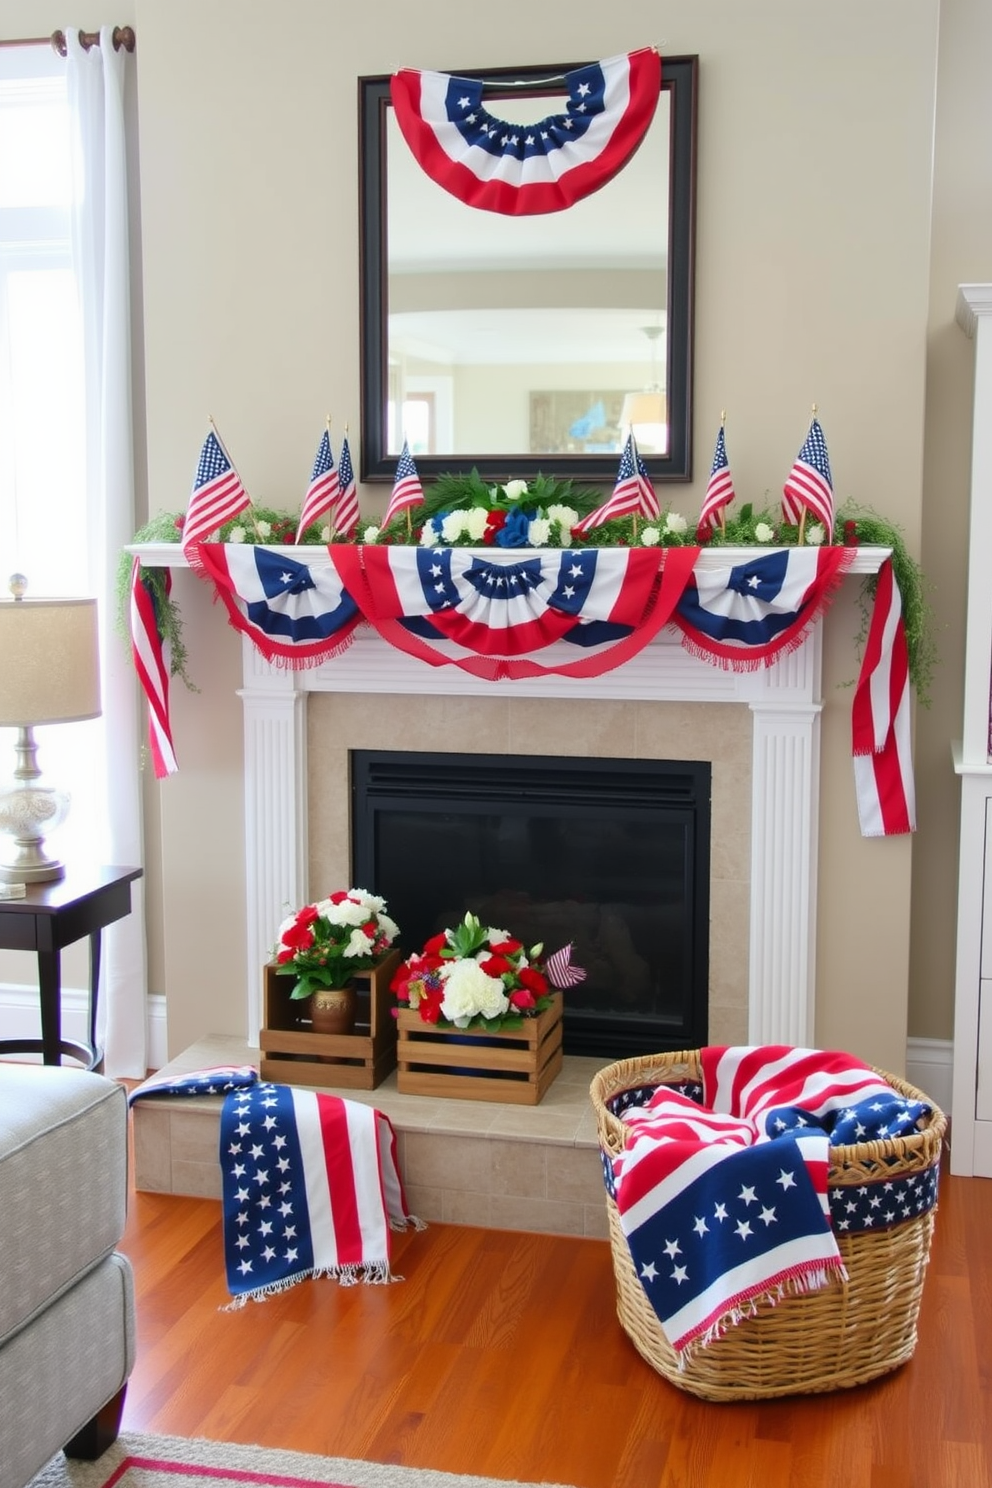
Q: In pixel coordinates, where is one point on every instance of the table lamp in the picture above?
(49, 673)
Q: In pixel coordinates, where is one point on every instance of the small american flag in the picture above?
(218, 494)
(633, 493)
(407, 490)
(323, 489)
(719, 492)
(346, 511)
(561, 972)
(810, 485)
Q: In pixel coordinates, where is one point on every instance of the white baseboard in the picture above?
(930, 1067)
(20, 1018)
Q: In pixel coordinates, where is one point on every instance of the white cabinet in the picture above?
(971, 1130)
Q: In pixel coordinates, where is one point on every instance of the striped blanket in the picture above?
(724, 1200)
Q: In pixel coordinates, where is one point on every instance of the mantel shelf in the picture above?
(867, 560)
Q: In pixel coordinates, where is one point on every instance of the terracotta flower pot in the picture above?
(332, 1009)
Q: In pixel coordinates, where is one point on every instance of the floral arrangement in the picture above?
(474, 977)
(324, 944)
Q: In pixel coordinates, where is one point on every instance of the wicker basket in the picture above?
(827, 1340)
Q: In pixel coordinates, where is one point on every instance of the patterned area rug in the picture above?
(179, 1462)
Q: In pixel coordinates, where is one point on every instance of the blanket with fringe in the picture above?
(311, 1187)
(723, 1199)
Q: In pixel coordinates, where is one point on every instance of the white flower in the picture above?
(650, 536)
(237, 534)
(764, 533)
(816, 535)
(349, 911)
(358, 944)
(538, 532)
(453, 526)
(370, 535)
(325, 534)
(428, 536)
(565, 516)
(476, 521)
(514, 489)
(264, 529)
(675, 523)
(496, 937)
(468, 991)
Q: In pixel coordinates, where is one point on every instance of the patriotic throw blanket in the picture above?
(217, 1080)
(724, 1201)
(311, 1187)
(509, 613)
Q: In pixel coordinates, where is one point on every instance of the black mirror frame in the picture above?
(680, 79)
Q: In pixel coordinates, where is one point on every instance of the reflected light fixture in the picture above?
(646, 412)
(50, 673)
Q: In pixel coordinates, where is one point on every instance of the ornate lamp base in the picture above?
(27, 811)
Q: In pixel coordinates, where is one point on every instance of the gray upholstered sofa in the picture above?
(66, 1296)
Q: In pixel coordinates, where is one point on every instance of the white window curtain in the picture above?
(95, 83)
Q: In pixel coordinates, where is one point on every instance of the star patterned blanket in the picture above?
(723, 1199)
(311, 1187)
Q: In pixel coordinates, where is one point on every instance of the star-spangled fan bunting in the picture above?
(322, 491)
(345, 516)
(632, 495)
(407, 490)
(217, 496)
(523, 169)
(810, 486)
(719, 491)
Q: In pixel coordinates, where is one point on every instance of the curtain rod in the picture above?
(123, 37)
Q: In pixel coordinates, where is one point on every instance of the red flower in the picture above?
(850, 534)
(308, 914)
(496, 966)
(339, 896)
(298, 937)
(430, 1004)
(495, 522)
(283, 956)
(435, 945)
(506, 947)
(535, 981)
(522, 998)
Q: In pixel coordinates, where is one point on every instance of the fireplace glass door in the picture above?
(610, 855)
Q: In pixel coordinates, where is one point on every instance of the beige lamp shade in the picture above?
(644, 408)
(49, 661)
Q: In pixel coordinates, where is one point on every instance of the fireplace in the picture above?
(610, 855)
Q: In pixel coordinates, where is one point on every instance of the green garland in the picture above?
(745, 527)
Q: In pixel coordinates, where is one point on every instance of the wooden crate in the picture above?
(514, 1066)
(292, 1054)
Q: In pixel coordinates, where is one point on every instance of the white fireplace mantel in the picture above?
(785, 705)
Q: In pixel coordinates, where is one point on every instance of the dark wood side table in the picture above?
(53, 915)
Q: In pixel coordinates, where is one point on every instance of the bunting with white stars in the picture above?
(519, 169)
(722, 1192)
(311, 1187)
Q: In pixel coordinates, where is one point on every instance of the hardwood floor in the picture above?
(500, 1354)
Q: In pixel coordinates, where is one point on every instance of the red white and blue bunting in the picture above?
(517, 169)
(511, 613)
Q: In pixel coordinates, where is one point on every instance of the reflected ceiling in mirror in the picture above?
(518, 344)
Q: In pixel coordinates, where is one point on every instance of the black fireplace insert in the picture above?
(610, 855)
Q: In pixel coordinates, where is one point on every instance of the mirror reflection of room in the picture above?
(543, 334)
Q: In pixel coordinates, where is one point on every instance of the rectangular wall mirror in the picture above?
(525, 344)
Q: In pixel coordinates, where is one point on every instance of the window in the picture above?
(43, 515)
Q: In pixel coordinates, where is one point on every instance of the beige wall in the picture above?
(815, 278)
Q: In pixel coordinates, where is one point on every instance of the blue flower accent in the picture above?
(513, 533)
